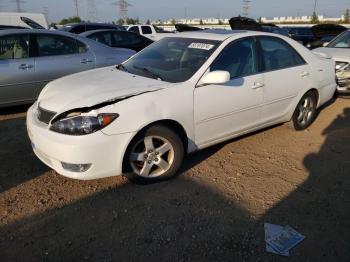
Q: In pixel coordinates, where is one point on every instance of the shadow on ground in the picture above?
(185, 220)
(16, 155)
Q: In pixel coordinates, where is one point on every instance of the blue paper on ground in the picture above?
(281, 239)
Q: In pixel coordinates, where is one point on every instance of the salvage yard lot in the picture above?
(213, 211)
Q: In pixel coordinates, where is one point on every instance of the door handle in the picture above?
(25, 67)
(305, 74)
(257, 85)
(85, 61)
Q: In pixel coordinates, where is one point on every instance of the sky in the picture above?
(168, 9)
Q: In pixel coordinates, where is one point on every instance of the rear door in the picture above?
(58, 56)
(285, 74)
(16, 69)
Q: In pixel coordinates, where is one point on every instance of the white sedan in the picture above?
(179, 95)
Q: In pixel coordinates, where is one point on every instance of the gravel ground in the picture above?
(213, 211)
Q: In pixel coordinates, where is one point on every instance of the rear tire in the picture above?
(306, 112)
(155, 154)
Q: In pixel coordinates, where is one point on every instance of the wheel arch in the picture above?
(172, 124)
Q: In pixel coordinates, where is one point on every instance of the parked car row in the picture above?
(29, 59)
(316, 36)
(181, 94)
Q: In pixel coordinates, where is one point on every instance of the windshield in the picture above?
(171, 59)
(343, 41)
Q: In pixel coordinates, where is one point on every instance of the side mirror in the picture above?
(325, 44)
(216, 78)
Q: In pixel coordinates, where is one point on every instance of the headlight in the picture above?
(82, 125)
(341, 66)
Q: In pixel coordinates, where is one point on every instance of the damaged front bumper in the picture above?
(87, 157)
(343, 81)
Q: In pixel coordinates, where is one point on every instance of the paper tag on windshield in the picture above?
(202, 46)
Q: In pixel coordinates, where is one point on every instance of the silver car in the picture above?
(29, 59)
(339, 50)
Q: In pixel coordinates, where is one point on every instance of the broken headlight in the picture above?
(82, 125)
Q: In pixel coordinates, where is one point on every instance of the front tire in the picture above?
(155, 154)
(306, 112)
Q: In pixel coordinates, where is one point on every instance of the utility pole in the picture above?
(315, 6)
(18, 5)
(76, 6)
(246, 7)
(46, 12)
(123, 8)
(92, 10)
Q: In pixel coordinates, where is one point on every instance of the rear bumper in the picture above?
(104, 153)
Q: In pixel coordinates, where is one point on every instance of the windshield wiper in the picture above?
(145, 69)
(122, 67)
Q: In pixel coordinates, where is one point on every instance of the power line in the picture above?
(123, 8)
(315, 6)
(18, 5)
(76, 6)
(246, 7)
(92, 11)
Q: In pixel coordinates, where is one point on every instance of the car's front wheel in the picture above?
(305, 112)
(154, 154)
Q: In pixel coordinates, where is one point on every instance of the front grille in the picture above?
(44, 115)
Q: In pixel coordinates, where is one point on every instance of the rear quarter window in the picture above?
(278, 54)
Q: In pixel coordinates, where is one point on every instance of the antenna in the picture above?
(123, 8)
(18, 5)
(76, 6)
(92, 10)
(246, 7)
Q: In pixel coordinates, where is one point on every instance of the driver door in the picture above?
(223, 111)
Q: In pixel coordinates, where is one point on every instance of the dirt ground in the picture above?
(213, 211)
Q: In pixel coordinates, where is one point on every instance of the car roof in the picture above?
(102, 30)
(88, 23)
(218, 34)
(33, 31)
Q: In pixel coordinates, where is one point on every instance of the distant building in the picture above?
(194, 21)
(225, 21)
(299, 19)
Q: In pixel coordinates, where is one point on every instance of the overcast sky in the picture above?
(168, 9)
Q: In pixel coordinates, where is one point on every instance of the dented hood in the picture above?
(94, 87)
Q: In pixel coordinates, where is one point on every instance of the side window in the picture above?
(238, 59)
(277, 54)
(54, 45)
(78, 29)
(103, 38)
(14, 47)
(134, 29)
(81, 47)
(146, 30)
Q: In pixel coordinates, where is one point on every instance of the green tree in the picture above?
(346, 19)
(148, 22)
(220, 22)
(314, 18)
(120, 21)
(201, 22)
(173, 21)
(74, 19)
(132, 21)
